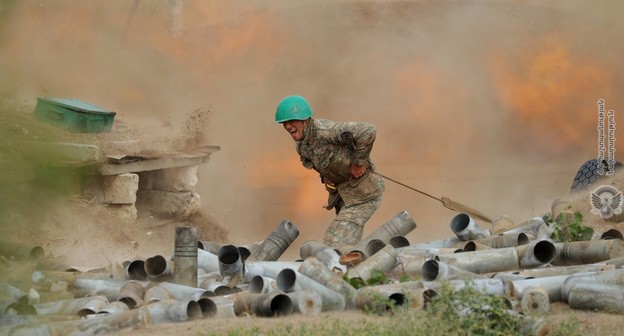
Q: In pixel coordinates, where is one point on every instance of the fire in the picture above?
(552, 92)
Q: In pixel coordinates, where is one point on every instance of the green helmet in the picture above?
(293, 108)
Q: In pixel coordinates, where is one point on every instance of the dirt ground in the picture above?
(590, 323)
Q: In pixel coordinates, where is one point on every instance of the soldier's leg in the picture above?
(348, 226)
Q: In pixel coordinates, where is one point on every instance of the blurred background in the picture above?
(489, 103)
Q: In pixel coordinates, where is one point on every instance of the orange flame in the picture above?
(553, 92)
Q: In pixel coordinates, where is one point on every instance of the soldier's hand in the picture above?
(357, 171)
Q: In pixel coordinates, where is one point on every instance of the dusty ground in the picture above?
(590, 323)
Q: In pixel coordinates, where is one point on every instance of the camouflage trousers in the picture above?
(348, 226)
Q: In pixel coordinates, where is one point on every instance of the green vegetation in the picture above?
(463, 312)
(568, 227)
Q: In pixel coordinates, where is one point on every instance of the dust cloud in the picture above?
(492, 104)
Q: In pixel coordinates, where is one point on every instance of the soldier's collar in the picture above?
(309, 132)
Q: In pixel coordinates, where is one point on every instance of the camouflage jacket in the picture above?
(330, 147)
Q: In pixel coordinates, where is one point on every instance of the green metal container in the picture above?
(74, 115)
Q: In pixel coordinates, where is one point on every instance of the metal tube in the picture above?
(107, 287)
(331, 259)
(272, 304)
(433, 270)
(442, 243)
(545, 231)
(185, 256)
(174, 311)
(156, 294)
(261, 284)
(587, 252)
(599, 296)
(373, 299)
(158, 268)
(502, 240)
(474, 246)
(182, 292)
(289, 280)
(209, 246)
(553, 284)
(225, 306)
(311, 248)
(135, 270)
(483, 286)
(501, 224)
(268, 268)
(132, 294)
(531, 226)
(80, 307)
(426, 252)
(399, 225)
(317, 271)
(216, 286)
(615, 277)
(276, 243)
(306, 302)
(374, 246)
(207, 261)
(329, 256)
(247, 249)
(412, 293)
(231, 264)
(535, 301)
(507, 276)
(612, 234)
(208, 307)
(563, 270)
(465, 228)
(113, 308)
(149, 315)
(399, 241)
(410, 266)
(616, 262)
(384, 260)
(485, 261)
(536, 253)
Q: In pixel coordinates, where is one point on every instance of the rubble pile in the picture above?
(211, 280)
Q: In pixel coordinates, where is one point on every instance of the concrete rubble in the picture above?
(226, 281)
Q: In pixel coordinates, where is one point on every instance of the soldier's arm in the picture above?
(361, 136)
(304, 160)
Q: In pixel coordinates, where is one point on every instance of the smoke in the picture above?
(488, 103)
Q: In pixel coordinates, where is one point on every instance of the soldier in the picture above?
(339, 152)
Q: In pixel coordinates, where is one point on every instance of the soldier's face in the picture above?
(295, 128)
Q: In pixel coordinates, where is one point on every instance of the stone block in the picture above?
(114, 189)
(168, 204)
(171, 179)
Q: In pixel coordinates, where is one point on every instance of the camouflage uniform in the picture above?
(330, 147)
